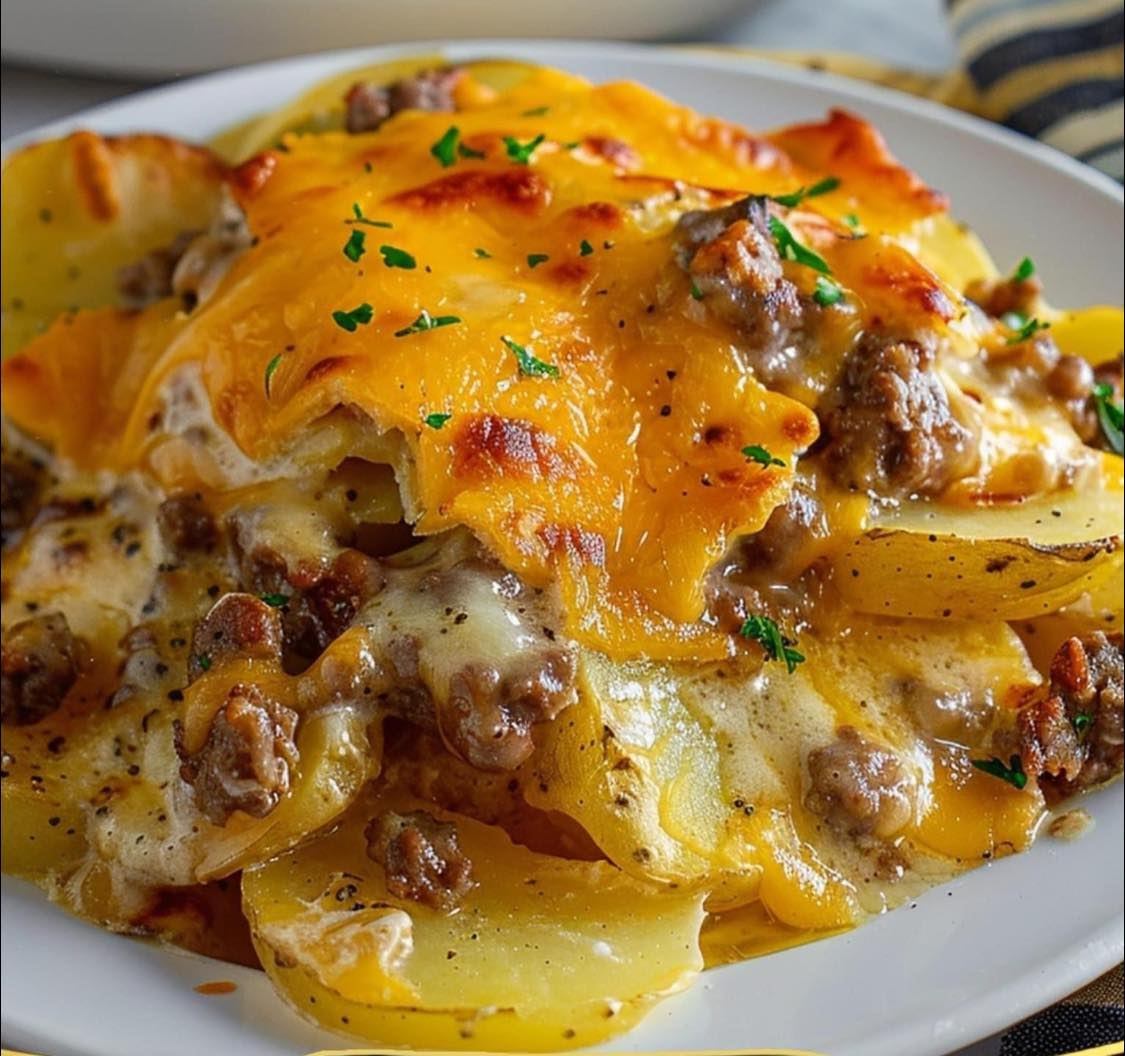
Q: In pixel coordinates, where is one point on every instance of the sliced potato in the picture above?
(543, 953)
(1008, 562)
(79, 208)
(628, 763)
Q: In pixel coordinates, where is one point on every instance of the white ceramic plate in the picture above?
(965, 960)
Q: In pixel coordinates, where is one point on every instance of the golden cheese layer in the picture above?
(609, 460)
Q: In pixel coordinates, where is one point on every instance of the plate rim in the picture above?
(702, 56)
(1104, 944)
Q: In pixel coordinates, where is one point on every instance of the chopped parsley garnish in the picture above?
(465, 151)
(359, 218)
(1012, 773)
(535, 111)
(827, 292)
(584, 248)
(437, 419)
(397, 258)
(271, 370)
(354, 247)
(791, 249)
(204, 662)
(1024, 270)
(425, 322)
(445, 149)
(763, 456)
(696, 292)
(275, 601)
(527, 363)
(851, 219)
(519, 152)
(352, 320)
(1110, 416)
(1029, 328)
(768, 635)
(824, 186)
(1082, 722)
(535, 259)
(482, 254)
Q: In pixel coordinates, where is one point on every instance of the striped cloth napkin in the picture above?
(1052, 69)
(1049, 68)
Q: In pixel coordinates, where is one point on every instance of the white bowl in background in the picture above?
(165, 38)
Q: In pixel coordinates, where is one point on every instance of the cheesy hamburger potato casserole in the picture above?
(486, 547)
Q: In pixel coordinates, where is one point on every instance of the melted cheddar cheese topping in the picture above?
(617, 472)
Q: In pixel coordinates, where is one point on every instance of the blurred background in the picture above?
(62, 55)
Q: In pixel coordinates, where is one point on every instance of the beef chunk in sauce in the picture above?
(466, 648)
(368, 105)
(21, 481)
(473, 654)
(859, 787)
(149, 279)
(191, 265)
(1071, 735)
(245, 761)
(735, 265)
(998, 297)
(421, 857)
(489, 712)
(1072, 382)
(237, 626)
(889, 424)
(322, 598)
(38, 666)
(186, 523)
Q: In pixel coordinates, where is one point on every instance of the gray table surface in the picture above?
(911, 34)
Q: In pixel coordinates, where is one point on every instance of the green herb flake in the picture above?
(482, 254)
(357, 217)
(275, 601)
(584, 248)
(827, 292)
(445, 149)
(535, 259)
(1082, 722)
(1029, 329)
(1013, 773)
(696, 292)
(352, 320)
(271, 370)
(852, 220)
(519, 152)
(354, 247)
(204, 662)
(791, 249)
(536, 111)
(824, 186)
(763, 456)
(528, 364)
(1110, 416)
(437, 419)
(425, 322)
(767, 634)
(1024, 270)
(467, 152)
(397, 258)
